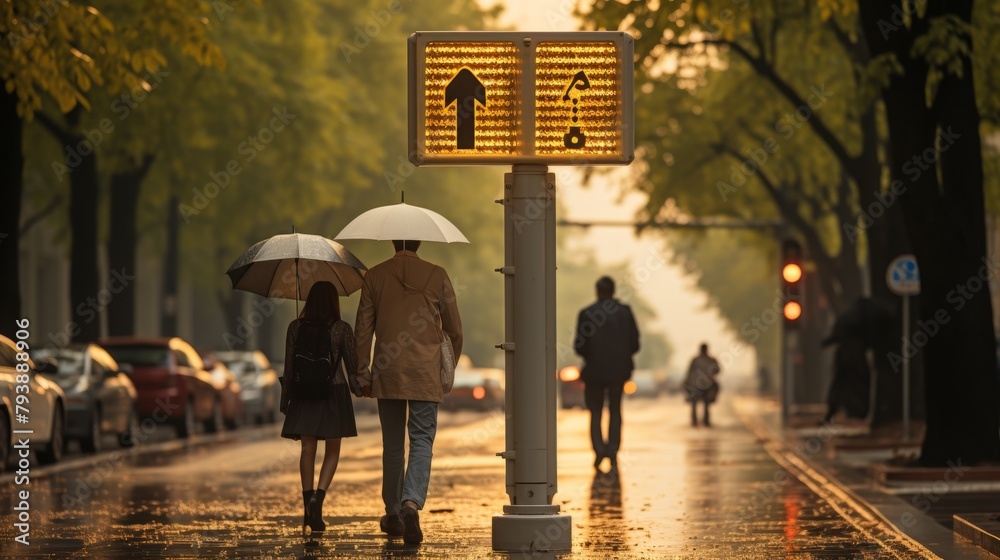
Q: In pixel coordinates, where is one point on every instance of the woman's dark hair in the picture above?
(323, 302)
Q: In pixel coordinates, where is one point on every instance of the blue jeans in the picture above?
(397, 485)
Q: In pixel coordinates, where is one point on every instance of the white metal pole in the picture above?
(531, 522)
(906, 368)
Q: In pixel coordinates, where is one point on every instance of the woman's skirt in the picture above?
(329, 418)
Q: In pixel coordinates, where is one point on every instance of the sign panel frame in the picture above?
(527, 44)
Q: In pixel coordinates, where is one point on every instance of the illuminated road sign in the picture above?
(504, 98)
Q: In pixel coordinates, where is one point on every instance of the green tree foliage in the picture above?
(764, 109)
(60, 51)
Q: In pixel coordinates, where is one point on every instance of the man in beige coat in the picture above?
(406, 303)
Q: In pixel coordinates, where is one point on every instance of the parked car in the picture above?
(571, 388)
(170, 380)
(100, 397)
(46, 416)
(229, 388)
(645, 383)
(476, 389)
(673, 382)
(261, 391)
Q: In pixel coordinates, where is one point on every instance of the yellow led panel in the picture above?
(472, 98)
(578, 99)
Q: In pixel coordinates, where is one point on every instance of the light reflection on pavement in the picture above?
(683, 492)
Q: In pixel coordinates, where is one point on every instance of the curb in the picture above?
(870, 511)
(980, 528)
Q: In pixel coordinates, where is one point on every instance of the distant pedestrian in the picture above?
(606, 338)
(866, 325)
(407, 304)
(316, 399)
(849, 389)
(701, 384)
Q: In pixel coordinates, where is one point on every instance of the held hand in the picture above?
(364, 382)
(355, 385)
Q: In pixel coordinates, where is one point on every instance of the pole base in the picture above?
(528, 534)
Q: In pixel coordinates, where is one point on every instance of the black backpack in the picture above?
(313, 369)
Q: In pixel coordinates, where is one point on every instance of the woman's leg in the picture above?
(307, 462)
(331, 457)
(307, 468)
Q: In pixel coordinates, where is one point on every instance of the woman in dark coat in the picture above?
(319, 332)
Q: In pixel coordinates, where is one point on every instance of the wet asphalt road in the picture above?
(682, 493)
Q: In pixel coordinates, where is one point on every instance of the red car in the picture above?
(170, 380)
(229, 388)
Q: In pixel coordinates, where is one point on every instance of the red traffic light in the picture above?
(792, 280)
(792, 311)
(791, 273)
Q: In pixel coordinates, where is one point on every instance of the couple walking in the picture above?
(407, 304)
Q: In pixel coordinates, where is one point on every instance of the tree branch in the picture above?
(758, 40)
(814, 203)
(850, 46)
(812, 238)
(63, 135)
(147, 162)
(766, 70)
(37, 217)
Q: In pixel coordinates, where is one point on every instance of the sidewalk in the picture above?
(683, 492)
(917, 503)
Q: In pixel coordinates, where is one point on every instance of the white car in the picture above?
(261, 391)
(46, 409)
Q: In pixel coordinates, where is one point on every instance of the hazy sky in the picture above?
(683, 313)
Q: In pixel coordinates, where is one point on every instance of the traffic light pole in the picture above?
(531, 523)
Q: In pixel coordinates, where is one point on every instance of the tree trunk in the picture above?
(85, 295)
(973, 413)
(237, 336)
(171, 265)
(125, 189)
(946, 225)
(12, 179)
(83, 289)
(86, 299)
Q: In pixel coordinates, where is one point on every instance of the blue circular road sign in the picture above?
(903, 276)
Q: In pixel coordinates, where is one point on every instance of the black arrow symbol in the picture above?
(465, 89)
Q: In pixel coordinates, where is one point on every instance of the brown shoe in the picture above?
(391, 525)
(411, 525)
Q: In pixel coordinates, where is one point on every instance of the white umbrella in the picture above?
(402, 222)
